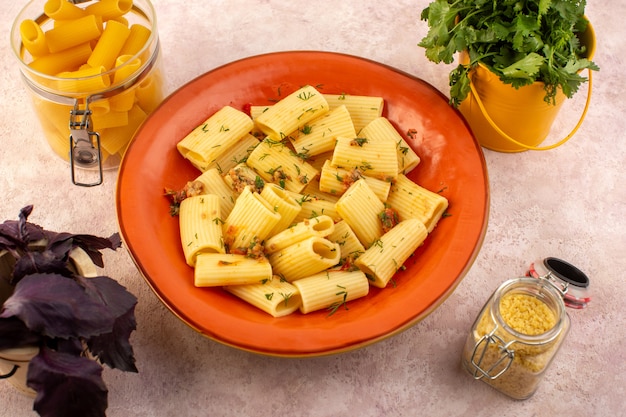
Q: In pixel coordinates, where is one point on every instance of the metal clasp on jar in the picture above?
(501, 365)
(85, 149)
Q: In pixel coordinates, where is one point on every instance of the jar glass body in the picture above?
(513, 355)
(119, 97)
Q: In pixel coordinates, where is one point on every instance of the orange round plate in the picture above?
(451, 163)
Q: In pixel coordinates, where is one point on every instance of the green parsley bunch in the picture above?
(521, 41)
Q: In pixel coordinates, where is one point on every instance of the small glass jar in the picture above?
(518, 333)
(89, 98)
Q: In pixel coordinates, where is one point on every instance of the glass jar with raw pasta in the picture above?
(519, 331)
(93, 71)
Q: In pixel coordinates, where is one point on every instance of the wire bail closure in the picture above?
(501, 365)
(85, 149)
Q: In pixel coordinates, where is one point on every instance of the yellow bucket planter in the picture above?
(506, 119)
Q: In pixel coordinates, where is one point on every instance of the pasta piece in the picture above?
(109, 45)
(275, 162)
(382, 129)
(214, 184)
(320, 135)
(137, 39)
(200, 227)
(336, 181)
(383, 259)
(331, 290)
(292, 112)
(344, 236)
(411, 200)
(320, 226)
(360, 208)
(242, 176)
(221, 269)
(73, 33)
(375, 158)
(276, 297)
(105, 120)
(256, 111)
(67, 60)
(362, 109)
(250, 222)
(33, 38)
(84, 80)
(305, 258)
(115, 139)
(312, 190)
(110, 9)
(213, 137)
(62, 10)
(237, 154)
(149, 92)
(313, 207)
(284, 203)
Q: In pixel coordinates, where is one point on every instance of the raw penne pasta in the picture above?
(284, 204)
(292, 112)
(137, 39)
(33, 38)
(320, 226)
(276, 297)
(375, 158)
(360, 208)
(109, 9)
(331, 290)
(411, 200)
(275, 162)
(62, 10)
(200, 226)
(222, 269)
(382, 129)
(344, 236)
(213, 183)
(74, 33)
(305, 258)
(67, 60)
(250, 221)
(214, 136)
(362, 109)
(387, 255)
(320, 134)
(336, 181)
(109, 45)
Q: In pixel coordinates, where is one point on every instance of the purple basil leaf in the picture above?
(45, 262)
(15, 334)
(89, 243)
(67, 385)
(114, 349)
(109, 292)
(57, 306)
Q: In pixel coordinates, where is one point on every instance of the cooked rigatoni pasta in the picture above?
(200, 226)
(242, 176)
(331, 290)
(320, 226)
(344, 236)
(312, 190)
(109, 45)
(414, 201)
(213, 183)
(360, 208)
(221, 269)
(387, 255)
(276, 297)
(74, 33)
(336, 181)
(235, 155)
(292, 112)
(305, 258)
(250, 221)
(313, 207)
(275, 162)
(33, 38)
(382, 129)
(215, 136)
(320, 134)
(362, 109)
(284, 204)
(375, 158)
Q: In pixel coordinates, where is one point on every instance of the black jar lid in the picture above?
(574, 282)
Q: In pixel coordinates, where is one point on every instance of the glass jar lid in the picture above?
(572, 281)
